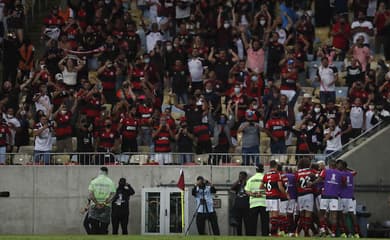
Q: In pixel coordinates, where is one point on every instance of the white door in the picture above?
(162, 211)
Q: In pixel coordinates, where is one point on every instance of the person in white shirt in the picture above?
(332, 136)
(13, 125)
(327, 76)
(153, 37)
(195, 67)
(362, 27)
(357, 117)
(42, 100)
(369, 115)
(43, 140)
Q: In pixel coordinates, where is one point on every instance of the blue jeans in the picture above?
(42, 156)
(246, 157)
(326, 97)
(278, 147)
(185, 158)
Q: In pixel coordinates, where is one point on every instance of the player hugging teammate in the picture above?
(291, 198)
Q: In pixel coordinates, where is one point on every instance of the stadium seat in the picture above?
(22, 159)
(26, 149)
(62, 159)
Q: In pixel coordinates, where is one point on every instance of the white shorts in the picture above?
(306, 202)
(330, 204)
(348, 205)
(292, 206)
(318, 202)
(272, 205)
(163, 158)
(283, 206)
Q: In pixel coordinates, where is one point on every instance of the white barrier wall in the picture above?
(47, 199)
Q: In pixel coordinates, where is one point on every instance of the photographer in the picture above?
(120, 206)
(203, 191)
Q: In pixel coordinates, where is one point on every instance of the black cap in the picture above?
(199, 178)
(104, 169)
(259, 167)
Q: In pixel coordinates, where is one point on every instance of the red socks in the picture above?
(274, 225)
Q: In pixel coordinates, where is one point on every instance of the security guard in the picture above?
(101, 191)
(257, 203)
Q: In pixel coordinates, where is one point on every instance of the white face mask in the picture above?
(309, 128)
(371, 107)
(169, 48)
(254, 78)
(9, 116)
(107, 1)
(226, 25)
(317, 110)
(255, 106)
(237, 90)
(63, 112)
(199, 103)
(209, 90)
(262, 22)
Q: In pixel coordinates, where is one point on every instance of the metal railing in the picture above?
(152, 158)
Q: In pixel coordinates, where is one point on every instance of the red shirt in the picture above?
(270, 181)
(162, 141)
(64, 126)
(108, 78)
(302, 177)
(107, 139)
(254, 89)
(137, 75)
(145, 113)
(277, 127)
(202, 133)
(381, 20)
(289, 83)
(341, 40)
(129, 127)
(359, 93)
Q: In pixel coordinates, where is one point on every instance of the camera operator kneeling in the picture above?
(203, 191)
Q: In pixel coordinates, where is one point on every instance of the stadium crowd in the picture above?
(194, 76)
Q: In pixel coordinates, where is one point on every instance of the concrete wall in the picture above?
(48, 199)
(372, 162)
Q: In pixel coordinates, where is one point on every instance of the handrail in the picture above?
(345, 148)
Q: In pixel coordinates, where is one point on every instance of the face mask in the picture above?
(309, 128)
(147, 60)
(254, 78)
(199, 103)
(169, 48)
(371, 107)
(9, 116)
(226, 25)
(63, 112)
(317, 110)
(107, 1)
(23, 113)
(262, 22)
(108, 126)
(255, 107)
(237, 90)
(209, 90)
(222, 121)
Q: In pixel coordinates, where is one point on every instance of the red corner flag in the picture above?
(180, 183)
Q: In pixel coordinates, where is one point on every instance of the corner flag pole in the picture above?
(181, 185)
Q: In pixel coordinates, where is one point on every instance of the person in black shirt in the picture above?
(184, 139)
(120, 207)
(241, 203)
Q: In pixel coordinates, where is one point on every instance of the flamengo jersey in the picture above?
(277, 127)
(4, 130)
(303, 177)
(285, 185)
(332, 183)
(270, 181)
(129, 128)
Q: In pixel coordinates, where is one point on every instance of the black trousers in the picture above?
(253, 217)
(119, 219)
(98, 228)
(241, 215)
(201, 222)
(87, 224)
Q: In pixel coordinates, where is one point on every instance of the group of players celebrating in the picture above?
(313, 198)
